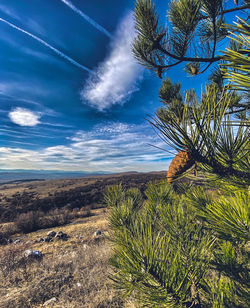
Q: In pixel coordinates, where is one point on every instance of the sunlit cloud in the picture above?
(114, 147)
(24, 117)
(117, 77)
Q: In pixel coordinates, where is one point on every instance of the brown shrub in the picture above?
(82, 212)
(54, 218)
(33, 221)
(28, 222)
(8, 229)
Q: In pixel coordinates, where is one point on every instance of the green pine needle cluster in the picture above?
(237, 66)
(171, 251)
(194, 31)
(219, 145)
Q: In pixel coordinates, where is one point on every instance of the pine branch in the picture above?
(205, 132)
(152, 48)
(242, 7)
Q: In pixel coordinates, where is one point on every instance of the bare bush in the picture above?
(28, 222)
(82, 212)
(33, 221)
(54, 218)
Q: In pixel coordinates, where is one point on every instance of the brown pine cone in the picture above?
(181, 163)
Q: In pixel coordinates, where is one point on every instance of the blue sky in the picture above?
(71, 95)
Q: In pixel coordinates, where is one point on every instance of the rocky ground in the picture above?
(65, 266)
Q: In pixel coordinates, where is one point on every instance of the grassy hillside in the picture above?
(73, 272)
(69, 193)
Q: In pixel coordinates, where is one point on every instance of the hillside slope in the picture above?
(72, 272)
(23, 197)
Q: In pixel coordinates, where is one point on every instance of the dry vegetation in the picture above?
(45, 196)
(74, 272)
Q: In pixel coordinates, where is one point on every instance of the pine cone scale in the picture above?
(181, 162)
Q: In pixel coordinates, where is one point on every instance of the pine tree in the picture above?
(194, 32)
(188, 245)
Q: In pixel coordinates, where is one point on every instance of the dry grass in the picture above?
(44, 188)
(75, 272)
(77, 279)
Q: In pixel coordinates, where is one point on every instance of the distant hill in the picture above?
(22, 196)
(8, 175)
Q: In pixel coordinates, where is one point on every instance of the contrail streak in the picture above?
(87, 18)
(47, 45)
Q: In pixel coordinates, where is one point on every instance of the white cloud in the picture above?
(102, 149)
(24, 117)
(113, 127)
(116, 78)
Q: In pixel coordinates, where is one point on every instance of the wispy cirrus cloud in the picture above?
(112, 147)
(17, 100)
(24, 117)
(117, 77)
(9, 11)
(33, 24)
(87, 18)
(46, 44)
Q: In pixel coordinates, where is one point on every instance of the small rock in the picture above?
(48, 239)
(50, 301)
(33, 254)
(98, 233)
(98, 236)
(78, 284)
(51, 234)
(62, 236)
(39, 240)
